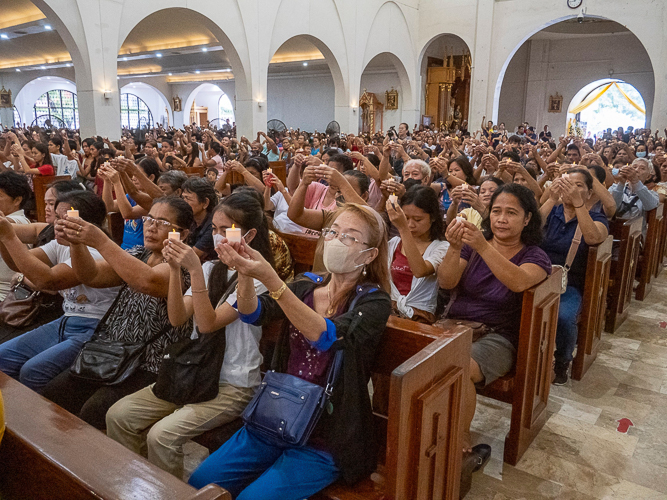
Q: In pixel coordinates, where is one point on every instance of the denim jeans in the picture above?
(568, 315)
(36, 357)
(252, 468)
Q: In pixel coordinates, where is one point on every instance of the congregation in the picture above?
(423, 224)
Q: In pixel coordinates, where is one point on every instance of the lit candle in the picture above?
(465, 185)
(566, 176)
(460, 218)
(174, 235)
(72, 213)
(233, 234)
(393, 198)
(269, 171)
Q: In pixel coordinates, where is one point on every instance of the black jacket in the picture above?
(349, 431)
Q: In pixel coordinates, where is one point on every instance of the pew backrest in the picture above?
(40, 185)
(302, 248)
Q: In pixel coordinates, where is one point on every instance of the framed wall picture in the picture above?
(5, 98)
(555, 103)
(426, 120)
(391, 97)
(177, 104)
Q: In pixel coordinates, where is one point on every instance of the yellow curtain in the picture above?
(632, 103)
(591, 99)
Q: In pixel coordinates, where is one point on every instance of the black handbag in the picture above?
(190, 369)
(286, 408)
(110, 362)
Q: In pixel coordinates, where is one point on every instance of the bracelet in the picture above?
(200, 291)
(239, 296)
(580, 205)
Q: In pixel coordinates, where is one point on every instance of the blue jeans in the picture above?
(36, 357)
(568, 315)
(252, 468)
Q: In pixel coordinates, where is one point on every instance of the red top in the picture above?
(401, 274)
(45, 169)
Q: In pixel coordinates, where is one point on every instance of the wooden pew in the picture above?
(116, 226)
(194, 171)
(528, 385)
(420, 435)
(279, 168)
(627, 237)
(662, 243)
(648, 255)
(593, 307)
(302, 248)
(40, 185)
(48, 453)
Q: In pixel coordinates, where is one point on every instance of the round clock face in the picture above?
(574, 4)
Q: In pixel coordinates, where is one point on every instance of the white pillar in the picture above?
(250, 117)
(481, 86)
(7, 117)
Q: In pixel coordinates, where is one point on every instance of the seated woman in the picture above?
(459, 172)
(172, 425)
(469, 204)
(318, 324)
(140, 311)
(40, 153)
(201, 196)
(488, 271)
(566, 211)
(36, 357)
(414, 255)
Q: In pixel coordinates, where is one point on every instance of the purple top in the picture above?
(305, 361)
(482, 297)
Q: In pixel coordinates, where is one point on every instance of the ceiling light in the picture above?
(42, 67)
(4, 36)
(69, 65)
(124, 58)
(305, 64)
(118, 78)
(204, 49)
(169, 74)
(47, 27)
(197, 71)
(18, 70)
(157, 54)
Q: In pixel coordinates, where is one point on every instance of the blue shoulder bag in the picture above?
(286, 408)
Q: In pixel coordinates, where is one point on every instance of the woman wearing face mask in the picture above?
(572, 190)
(318, 324)
(414, 255)
(172, 425)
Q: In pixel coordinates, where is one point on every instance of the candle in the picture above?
(233, 234)
(393, 198)
(174, 235)
(269, 171)
(460, 218)
(72, 213)
(465, 185)
(566, 176)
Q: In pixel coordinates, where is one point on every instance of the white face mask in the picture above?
(339, 258)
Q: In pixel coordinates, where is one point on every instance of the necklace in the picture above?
(330, 308)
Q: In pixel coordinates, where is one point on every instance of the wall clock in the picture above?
(574, 4)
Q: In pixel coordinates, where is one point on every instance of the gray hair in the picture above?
(175, 178)
(423, 166)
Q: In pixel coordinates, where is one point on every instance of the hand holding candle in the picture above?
(72, 213)
(174, 235)
(393, 198)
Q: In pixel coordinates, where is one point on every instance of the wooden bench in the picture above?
(528, 385)
(627, 237)
(420, 435)
(116, 226)
(302, 248)
(277, 167)
(40, 185)
(194, 171)
(662, 244)
(594, 306)
(48, 453)
(649, 253)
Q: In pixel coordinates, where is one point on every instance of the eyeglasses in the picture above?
(149, 221)
(347, 240)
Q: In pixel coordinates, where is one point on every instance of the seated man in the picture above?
(631, 195)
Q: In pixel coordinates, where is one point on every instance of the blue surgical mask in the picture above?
(615, 171)
(641, 154)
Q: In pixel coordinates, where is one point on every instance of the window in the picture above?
(225, 110)
(59, 107)
(17, 117)
(134, 112)
(613, 109)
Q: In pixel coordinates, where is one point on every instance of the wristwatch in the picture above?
(278, 293)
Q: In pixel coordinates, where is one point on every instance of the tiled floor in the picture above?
(579, 454)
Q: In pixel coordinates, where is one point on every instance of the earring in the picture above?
(363, 271)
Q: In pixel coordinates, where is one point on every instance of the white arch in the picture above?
(31, 91)
(144, 90)
(515, 38)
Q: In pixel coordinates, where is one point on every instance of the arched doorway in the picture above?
(154, 100)
(135, 113)
(445, 69)
(303, 79)
(557, 61)
(606, 104)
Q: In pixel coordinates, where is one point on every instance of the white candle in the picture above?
(393, 198)
(460, 218)
(233, 234)
(566, 176)
(72, 213)
(268, 170)
(174, 235)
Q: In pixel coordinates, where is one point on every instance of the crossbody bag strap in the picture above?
(574, 246)
(113, 305)
(452, 299)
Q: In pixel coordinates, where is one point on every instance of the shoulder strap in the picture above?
(113, 306)
(573, 248)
